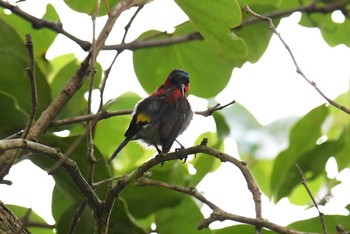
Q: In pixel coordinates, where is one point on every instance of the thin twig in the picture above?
(31, 74)
(42, 23)
(320, 214)
(298, 70)
(76, 217)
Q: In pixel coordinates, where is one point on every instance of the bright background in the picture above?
(270, 89)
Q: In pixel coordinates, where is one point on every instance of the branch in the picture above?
(298, 70)
(218, 214)
(320, 214)
(105, 115)
(69, 165)
(182, 154)
(31, 74)
(41, 23)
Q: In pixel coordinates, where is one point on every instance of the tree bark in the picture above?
(9, 223)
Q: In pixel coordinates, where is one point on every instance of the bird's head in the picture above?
(180, 79)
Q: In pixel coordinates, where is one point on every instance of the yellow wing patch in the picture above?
(142, 117)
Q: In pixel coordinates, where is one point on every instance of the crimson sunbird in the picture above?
(160, 118)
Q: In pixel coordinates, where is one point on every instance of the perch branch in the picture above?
(105, 115)
(320, 214)
(182, 154)
(298, 70)
(31, 74)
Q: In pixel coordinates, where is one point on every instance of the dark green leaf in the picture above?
(121, 222)
(222, 127)
(302, 148)
(184, 218)
(144, 201)
(42, 39)
(13, 118)
(204, 65)
(86, 223)
(214, 20)
(14, 81)
(240, 229)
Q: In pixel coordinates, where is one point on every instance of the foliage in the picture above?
(224, 37)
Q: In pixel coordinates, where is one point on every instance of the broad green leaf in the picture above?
(314, 225)
(240, 229)
(77, 104)
(299, 195)
(209, 72)
(256, 36)
(86, 223)
(14, 81)
(13, 118)
(333, 33)
(222, 127)
(182, 219)
(302, 148)
(204, 163)
(215, 21)
(261, 170)
(58, 64)
(144, 201)
(89, 6)
(122, 222)
(20, 212)
(42, 38)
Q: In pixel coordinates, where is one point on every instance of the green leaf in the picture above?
(256, 36)
(173, 172)
(121, 222)
(66, 192)
(302, 148)
(204, 163)
(14, 81)
(89, 6)
(239, 229)
(196, 57)
(77, 104)
(13, 118)
(20, 212)
(333, 33)
(214, 20)
(86, 223)
(42, 38)
(182, 219)
(222, 128)
(314, 225)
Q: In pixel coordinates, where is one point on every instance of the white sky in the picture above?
(270, 89)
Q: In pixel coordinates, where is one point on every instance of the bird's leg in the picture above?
(158, 150)
(160, 153)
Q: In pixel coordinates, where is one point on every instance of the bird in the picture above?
(161, 117)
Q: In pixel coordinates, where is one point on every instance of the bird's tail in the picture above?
(120, 147)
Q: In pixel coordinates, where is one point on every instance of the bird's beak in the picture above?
(182, 90)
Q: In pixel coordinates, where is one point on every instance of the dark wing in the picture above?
(174, 117)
